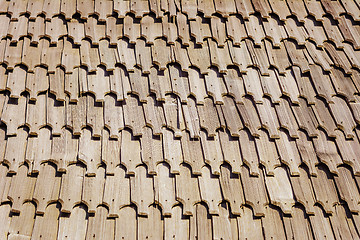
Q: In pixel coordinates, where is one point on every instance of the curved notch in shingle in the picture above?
(254, 29)
(143, 56)
(119, 83)
(231, 151)
(114, 29)
(139, 84)
(215, 85)
(343, 116)
(197, 85)
(161, 54)
(222, 223)
(94, 115)
(321, 224)
(220, 57)
(55, 114)
(240, 56)
(84, 8)
(235, 28)
(253, 85)
(249, 115)
(55, 29)
(103, 9)
(107, 55)
(183, 29)
(126, 53)
(268, 118)
(182, 225)
(71, 187)
(169, 30)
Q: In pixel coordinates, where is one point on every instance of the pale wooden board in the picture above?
(93, 189)
(120, 185)
(70, 191)
(47, 188)
(143, 194)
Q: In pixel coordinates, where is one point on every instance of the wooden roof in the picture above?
(185, 119)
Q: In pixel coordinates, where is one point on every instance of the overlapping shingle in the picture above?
(191, 119)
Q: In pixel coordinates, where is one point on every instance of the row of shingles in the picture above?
(300, 9)
(222, 147)
(215, 85)
(176, 116)
(42, 216)
(146, 27)
(130, 214)
(50, 9)
(81, 225)
(202, 190)
(73, 79)
(297, 8)
(217, 28)
(230, 55)
(47, 179)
